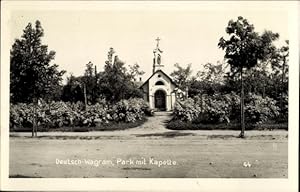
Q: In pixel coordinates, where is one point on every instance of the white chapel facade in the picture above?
(159, 89)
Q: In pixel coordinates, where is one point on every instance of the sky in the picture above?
(80, 32)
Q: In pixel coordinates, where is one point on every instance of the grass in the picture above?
(180, 125)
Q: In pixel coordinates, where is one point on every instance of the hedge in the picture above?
(65, 114)
(181, 125)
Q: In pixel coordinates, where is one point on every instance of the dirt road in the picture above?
(150, 151)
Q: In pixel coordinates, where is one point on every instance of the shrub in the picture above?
(225, 108)
(65, 114)
(259, 109)
(149, 112)
(207, 109)
(129, 110)
(284, 112)
(181, 125)
(187, 110)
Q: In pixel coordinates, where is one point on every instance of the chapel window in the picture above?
(159, 83)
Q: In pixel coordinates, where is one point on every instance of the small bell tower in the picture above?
(157, 60)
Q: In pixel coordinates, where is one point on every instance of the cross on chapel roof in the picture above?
(157, 39)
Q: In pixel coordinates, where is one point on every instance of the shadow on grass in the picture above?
(22, 176)
(170, 134)
(225, 137)
(67, 137)
(136, 168)
(251, 137)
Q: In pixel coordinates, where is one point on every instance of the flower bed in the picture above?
(225, 109)
(63, 114)
(207, 109)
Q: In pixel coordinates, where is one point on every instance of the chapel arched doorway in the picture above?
(160, 100)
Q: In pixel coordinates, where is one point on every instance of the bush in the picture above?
(181, 125)
(284, 112)
(217, 108)
(259, 109)
(149, 112)
(129, 110)
(187, 110)
(65, 114)
(207, 109)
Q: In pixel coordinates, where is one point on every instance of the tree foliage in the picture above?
(73, 91)
(116, 83)
(182, 75)
(113, 84)
(32, 75)
(245, 48)
(135, 71)
(211, 78)
(90, 82)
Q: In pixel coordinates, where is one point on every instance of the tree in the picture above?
(279, 62)
(244, 49)
(86, 88)
(32, 76)
(211, 78)
(135, 71)
(73, 91)
(90, 82)
(182, 75)
(116, 82)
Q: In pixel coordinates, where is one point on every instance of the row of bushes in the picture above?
(226, 109)
(181, 125)
(65, 114)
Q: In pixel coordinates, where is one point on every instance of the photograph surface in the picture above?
(148, 90)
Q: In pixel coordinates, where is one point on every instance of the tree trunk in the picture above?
(34, 122)
(36, 128)
(187, 92)
(84, 94)
(201, 99)
(242, 134)
(282, 84)
(264, 89)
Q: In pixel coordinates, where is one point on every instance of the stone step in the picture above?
(162, 113)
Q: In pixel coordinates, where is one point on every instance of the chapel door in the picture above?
(160, 100)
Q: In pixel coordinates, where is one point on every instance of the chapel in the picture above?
(160, 91)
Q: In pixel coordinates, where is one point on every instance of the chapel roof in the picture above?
(172, 81)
